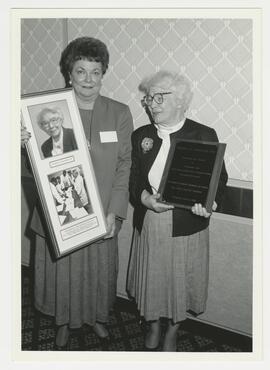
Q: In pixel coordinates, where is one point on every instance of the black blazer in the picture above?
(69, 143)
(184, 221)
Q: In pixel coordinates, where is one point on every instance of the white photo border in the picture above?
(256, 359)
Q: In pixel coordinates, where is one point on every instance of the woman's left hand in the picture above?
(199, 210)
(111, 226)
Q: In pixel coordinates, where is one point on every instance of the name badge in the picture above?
(108, 136)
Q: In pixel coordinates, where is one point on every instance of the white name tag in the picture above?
(108, 136)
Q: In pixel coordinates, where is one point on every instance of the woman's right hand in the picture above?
(25, 136)
(151, 201)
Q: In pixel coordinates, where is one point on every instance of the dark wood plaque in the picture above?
(191, 173)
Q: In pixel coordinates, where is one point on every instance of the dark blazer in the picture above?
(184, 221)
(69, 143)
(112, 160)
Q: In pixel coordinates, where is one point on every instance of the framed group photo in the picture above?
(63, 171)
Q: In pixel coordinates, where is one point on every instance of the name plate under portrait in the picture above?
(191, 173)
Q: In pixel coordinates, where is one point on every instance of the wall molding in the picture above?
(232, 218)
(236, 183)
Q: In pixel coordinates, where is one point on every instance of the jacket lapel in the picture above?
(98, 121)
(49, 148)
(149, 157)
(187, 132)
(65, 141)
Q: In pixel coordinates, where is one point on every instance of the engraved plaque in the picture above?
(191, 173)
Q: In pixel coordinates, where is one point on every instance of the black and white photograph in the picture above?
(53, 128)
(157, 279)
(65, 198)
(70, 194)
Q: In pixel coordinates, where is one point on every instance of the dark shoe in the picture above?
(62, 336)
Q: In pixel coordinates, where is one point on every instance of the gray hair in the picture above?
(44, 111)
(176, 82)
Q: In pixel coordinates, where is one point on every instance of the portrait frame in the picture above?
(85, 225)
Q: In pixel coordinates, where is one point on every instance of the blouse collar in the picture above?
(163, 131)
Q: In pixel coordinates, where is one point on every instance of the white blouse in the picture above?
(156, 171)
(58, 146)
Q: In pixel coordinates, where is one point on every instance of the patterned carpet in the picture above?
(125, 328)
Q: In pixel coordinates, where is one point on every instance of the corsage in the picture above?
(147, 144)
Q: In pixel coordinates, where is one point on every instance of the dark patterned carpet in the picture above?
(125, 328)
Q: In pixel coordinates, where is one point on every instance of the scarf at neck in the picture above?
(156, 171)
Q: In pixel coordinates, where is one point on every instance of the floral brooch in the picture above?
(147, 144)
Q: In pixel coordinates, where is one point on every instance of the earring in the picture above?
(70, 82)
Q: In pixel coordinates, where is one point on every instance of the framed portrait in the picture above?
(61, 164)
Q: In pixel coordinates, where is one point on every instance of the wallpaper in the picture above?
(215, 55)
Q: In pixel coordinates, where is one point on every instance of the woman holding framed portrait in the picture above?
(80, 288)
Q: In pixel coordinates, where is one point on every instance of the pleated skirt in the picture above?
(168, 276)
(79, 288)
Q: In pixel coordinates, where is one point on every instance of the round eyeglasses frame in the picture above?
(157, 97)
(54, 121)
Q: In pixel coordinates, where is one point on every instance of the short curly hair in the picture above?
(44, 111)
(175, 81)
(87, 48)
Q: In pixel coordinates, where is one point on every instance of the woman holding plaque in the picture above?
(80, 288)
(168, 271)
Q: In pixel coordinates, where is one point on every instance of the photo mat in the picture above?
(63, 175)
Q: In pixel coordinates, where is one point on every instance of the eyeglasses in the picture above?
(53, 121)
(158, 98)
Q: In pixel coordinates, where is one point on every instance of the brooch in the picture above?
(147, 144)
